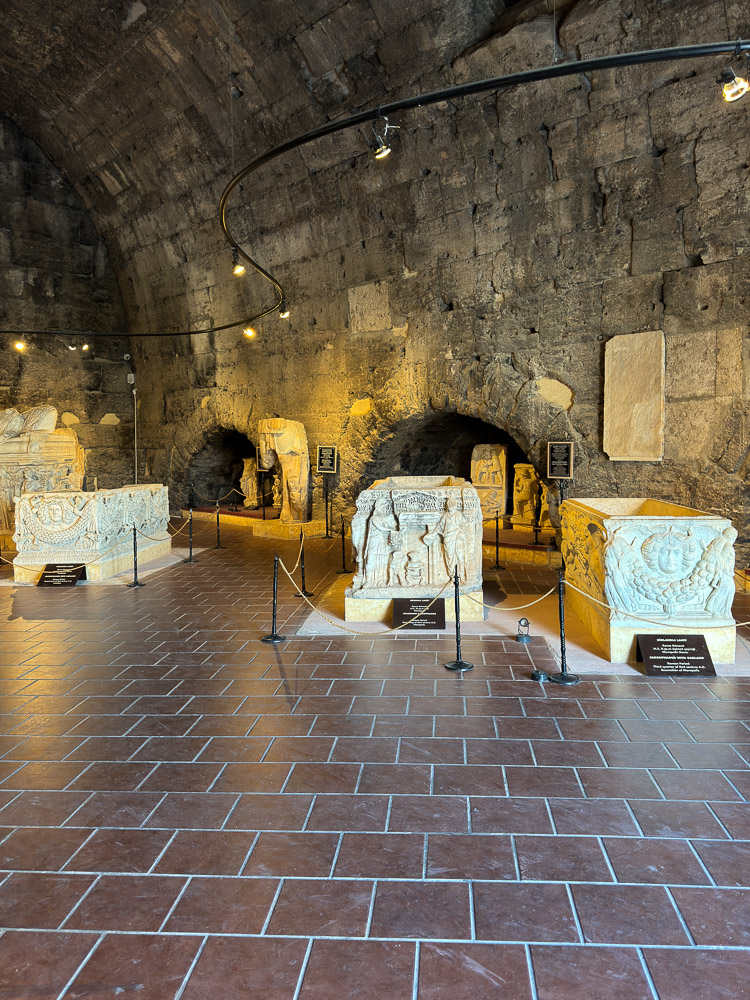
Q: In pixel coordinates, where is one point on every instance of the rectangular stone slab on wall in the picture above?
(634, 397)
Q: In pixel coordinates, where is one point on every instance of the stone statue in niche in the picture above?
(285, 441)
(35, 457)
(410, 532)
(489, 477)
(525, 496)
(249, 482)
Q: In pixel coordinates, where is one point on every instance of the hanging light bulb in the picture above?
(238, 268)
(249, 332)
(85, 347)
(20, 345)
(72, 347)
(382, 149)
(735, 86)
(283, 309)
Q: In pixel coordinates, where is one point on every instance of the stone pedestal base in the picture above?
(116, 562)
(369, 609)
(618, 640)
(290, 530)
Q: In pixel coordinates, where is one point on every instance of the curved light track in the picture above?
(731, 48)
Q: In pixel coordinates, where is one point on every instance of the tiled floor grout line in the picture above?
(80, 968)
(694, 850)
(532, 977)
(647, 973)
(415, 974)
(190, 971)
(574, 911)
(272, 907)
(472, 914)
(173, 907)
(95, 882)
(371, 909)
(683, 922)
(303, 969)
(248, 855)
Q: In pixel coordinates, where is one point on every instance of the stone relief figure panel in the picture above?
(667, 564)
(35, 457)
(410, 532)
(489, 477)
(285, 441)
(249, 482)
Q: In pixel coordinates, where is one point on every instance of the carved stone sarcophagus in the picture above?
(409, 534)
(658, 566)
(74, 527)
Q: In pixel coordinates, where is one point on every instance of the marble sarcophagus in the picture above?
(75, 527)
(658, 566)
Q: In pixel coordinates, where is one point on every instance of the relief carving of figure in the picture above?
(525, 494)
(380, 545)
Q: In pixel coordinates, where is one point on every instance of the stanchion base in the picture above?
(459, 665)
(274, 637)
(344, 570)
(566, 678)
(135, 583)
(305, 593)
(540, 675)
(524, 639)
(219, 546)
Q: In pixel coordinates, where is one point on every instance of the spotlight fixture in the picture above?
(283, 309)
(72, 347)
(249, 332)
(85, 347)
(382, 149)
(734, 87)
(238, 268)
(20, 345)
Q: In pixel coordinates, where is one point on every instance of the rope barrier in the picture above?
(352, 631)
(501, 607)
(211, 499)
(299, 554)
(651, 621)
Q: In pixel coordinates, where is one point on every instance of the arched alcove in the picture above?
(217, 467)
(435, 444)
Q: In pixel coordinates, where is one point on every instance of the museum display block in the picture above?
(75, 527)
(489, 477)
(408, 534)
(654, 560)
(35, 456)
(284, 442)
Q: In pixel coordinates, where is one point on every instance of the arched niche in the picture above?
(434, 444)
(216, 468)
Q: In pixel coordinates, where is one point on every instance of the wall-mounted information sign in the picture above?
(328, 457)
(559, 460)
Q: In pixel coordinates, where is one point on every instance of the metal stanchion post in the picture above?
(497, 540)
(218, 533)
(274, 636)
(458, 663)
(325, 501)
(135, 582)
(343, 548)
(303, 591)
(190, 558)
(537, 514)
(563, 677)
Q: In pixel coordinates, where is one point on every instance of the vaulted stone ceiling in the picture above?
(132, 101)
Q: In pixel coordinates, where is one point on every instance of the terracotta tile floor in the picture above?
(186, 812)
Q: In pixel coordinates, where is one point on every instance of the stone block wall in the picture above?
(55, 274)
(479, 270)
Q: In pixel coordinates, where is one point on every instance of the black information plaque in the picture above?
(559, 460)
(675, 655)
(328, 456)
(406, 608)
(61, 575)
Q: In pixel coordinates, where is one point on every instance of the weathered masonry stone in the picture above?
(634, 397)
